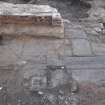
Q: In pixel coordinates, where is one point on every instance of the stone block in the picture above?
(81, 47)
(82, 63)
(28, 19)
(98, 48)
(75, 33)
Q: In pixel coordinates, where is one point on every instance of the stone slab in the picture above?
(67, 51)
(93, 75)
(54, 60)
(7, 56)
(81, 47)
(98, 48)
(75, 33)
(28, 19)
(81, 63)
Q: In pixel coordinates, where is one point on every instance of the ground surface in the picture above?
(82, 51)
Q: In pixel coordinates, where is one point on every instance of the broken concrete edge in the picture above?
(54, 20)
(28, 19)
(57, 20)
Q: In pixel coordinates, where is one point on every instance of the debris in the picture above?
(74, 100)
(1, 88)
(61, 92)
(21, 63)
(40, 93)
(74, 86)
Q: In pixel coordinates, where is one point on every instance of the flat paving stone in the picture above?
(33, 59)
(29, 49)
(34, 48)
(68, 47)
(33, 69)
(93, 75)
(7, 56)
(75, 33)
(65, 49)
(98, 48)
(68, 51)
(81, 47)
(40, 46)
(10, 51)
(81, 63)
(54, 59)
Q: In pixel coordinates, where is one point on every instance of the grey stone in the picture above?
(67, 51)
(74, 86)
(29, 49)
(67, 48)
(75, 100)
(91, 31)
(85, 62)
(15, 47)
(40, 47)
(54, 60)
(93, 75)
(10, 52)
(98, 29)
(33, 48)
(31, 69)
(7, 56)
(98, 48)
(75, 33)
(51, 77)
(81, 47)
(34, 59)
(97, 12)
(48, 99)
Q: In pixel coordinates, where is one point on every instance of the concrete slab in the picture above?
(28, 19)
(93, 75)
(81, 63)
(75, 33)
(81, 47)
(98, 48)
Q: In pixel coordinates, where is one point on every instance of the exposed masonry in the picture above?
(38, 18)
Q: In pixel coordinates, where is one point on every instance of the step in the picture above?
(28, 19)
